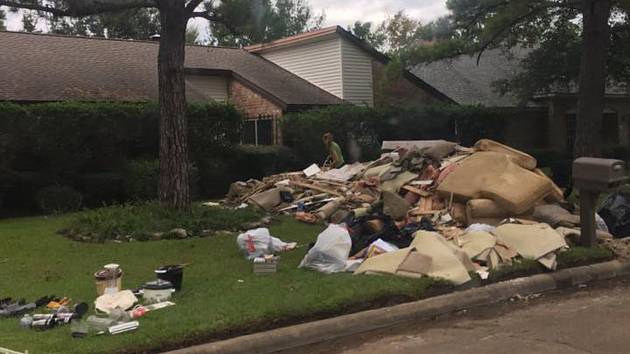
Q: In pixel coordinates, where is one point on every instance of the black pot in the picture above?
(171, 273)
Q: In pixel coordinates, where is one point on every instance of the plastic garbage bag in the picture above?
(330, 252)
(600, 224)
(259, 242)
(616, 213)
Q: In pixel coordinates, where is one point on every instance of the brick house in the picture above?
(314, 69)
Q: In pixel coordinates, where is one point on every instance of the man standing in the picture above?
(334, 151)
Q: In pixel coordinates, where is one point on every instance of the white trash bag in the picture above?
(330, 252)
(259, 242)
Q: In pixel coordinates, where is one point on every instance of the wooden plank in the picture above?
(316, 188)
(418, 191)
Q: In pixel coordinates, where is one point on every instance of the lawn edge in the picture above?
(342, 326)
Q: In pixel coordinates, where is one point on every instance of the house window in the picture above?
(259, 131)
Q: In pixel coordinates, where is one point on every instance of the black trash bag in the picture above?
(401, 238)
(616, 213)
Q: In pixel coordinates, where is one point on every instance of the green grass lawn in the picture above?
(219, 293)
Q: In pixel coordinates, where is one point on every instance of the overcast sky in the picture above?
(347, 12)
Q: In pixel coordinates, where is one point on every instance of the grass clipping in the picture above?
(149, 221)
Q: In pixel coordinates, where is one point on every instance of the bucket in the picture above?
(101, 278)
(171, 273)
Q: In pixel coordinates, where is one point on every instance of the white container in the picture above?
(157, 291)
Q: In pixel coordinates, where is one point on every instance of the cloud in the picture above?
(347, 12)
(341, 13)
(14, 20)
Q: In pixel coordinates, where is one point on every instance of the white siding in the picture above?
(357, 74)
(318, 62)
(201, 88)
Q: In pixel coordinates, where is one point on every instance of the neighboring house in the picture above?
(552, 116)
(314, 69)
(348, 67)
(41, 68)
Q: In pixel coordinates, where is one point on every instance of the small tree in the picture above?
(174, 15)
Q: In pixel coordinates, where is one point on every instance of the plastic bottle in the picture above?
(26, 321)
(112, 276)
(100, 323)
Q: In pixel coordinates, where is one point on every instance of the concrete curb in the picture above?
(346, 325)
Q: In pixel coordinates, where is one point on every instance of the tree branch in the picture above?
(78, 8)
(192, 5)
(202, 14)
(208, 15)
(482, 11)
(509, 25)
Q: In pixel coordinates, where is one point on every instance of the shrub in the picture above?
(101, 188)
(87, 145)
(58, 199)
(141, 179)
(243, 162)
(360, 130)
(141, 221)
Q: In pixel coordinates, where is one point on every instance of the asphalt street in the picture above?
(585, 319)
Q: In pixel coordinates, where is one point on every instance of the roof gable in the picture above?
(320, 34)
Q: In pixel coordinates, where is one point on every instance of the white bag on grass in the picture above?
(330, 252)
(259, 242)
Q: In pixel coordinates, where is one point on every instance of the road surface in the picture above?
(591, 319)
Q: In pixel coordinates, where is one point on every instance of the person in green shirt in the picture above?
(334, 151)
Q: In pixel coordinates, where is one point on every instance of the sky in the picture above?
(346, 12)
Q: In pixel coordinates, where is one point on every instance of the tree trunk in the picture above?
(595, 41)
(174, 190)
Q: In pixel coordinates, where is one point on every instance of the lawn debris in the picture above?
(446, 210)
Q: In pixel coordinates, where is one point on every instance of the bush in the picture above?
(142, 221)
(87, 146)
(360, 130)
(141, 179)
(58, 199)
(352, 126)
(101, 188)
(243, 162)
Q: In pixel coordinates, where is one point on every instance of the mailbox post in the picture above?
(593, 176)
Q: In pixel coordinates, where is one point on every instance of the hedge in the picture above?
(89, 146)
(360, 130)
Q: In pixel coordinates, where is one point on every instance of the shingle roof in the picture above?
(465, 82)
(38, 67)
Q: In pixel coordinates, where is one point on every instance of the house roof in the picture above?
(315, 35)
(43, 67)
(467, 82)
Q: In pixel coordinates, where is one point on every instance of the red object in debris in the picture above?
(251, 247)
(138, 312)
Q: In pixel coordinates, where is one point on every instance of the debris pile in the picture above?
(423, 208)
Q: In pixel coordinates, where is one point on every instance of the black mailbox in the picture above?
(599, 175)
